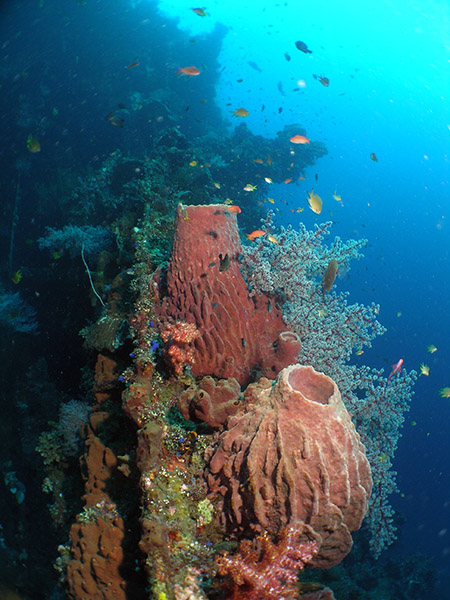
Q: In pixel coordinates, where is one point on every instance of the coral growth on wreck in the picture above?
(271, 571)
(237, 444)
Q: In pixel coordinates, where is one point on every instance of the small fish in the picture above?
(303, 47)
(116, 121)
(287, 57)
(33, 145)
(17, 277)
(397, 368)
(444, 392)
(299, 139)
(424, 369)
(224, 262)
(280, 88)
(133, 65)
(337, 197)
(323, 80)
(280, 110)
(272, 239)
(288, 180)
(249, 188)
(359, 352)
(189, 71)
(373, 156)
(200, 12)
(253, 65)
(56, 255)
(268, 180)
(255, 234)
(329, 276)
(431, 349)
(315, 202)
(383, 457)
(259, 161)
(241, 112)
(413, 423)
(193, 163)
(217, 185)
(233, 209)
(271, 200)
(269, 160)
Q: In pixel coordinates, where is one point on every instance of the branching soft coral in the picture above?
(274, 576)
(178, 338)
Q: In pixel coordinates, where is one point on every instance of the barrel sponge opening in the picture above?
(314, 386)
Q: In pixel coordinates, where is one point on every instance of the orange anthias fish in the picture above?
(189, 71)
(255, 234)
(233, 209)
(395, 369)
(258, 160)
(299, 139)
(241, 112)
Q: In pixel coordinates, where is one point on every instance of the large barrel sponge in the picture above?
(292, 454)
(240, 336)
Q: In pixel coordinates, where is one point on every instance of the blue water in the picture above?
(63, 68)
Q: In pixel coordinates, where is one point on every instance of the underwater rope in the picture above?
(89, 274)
